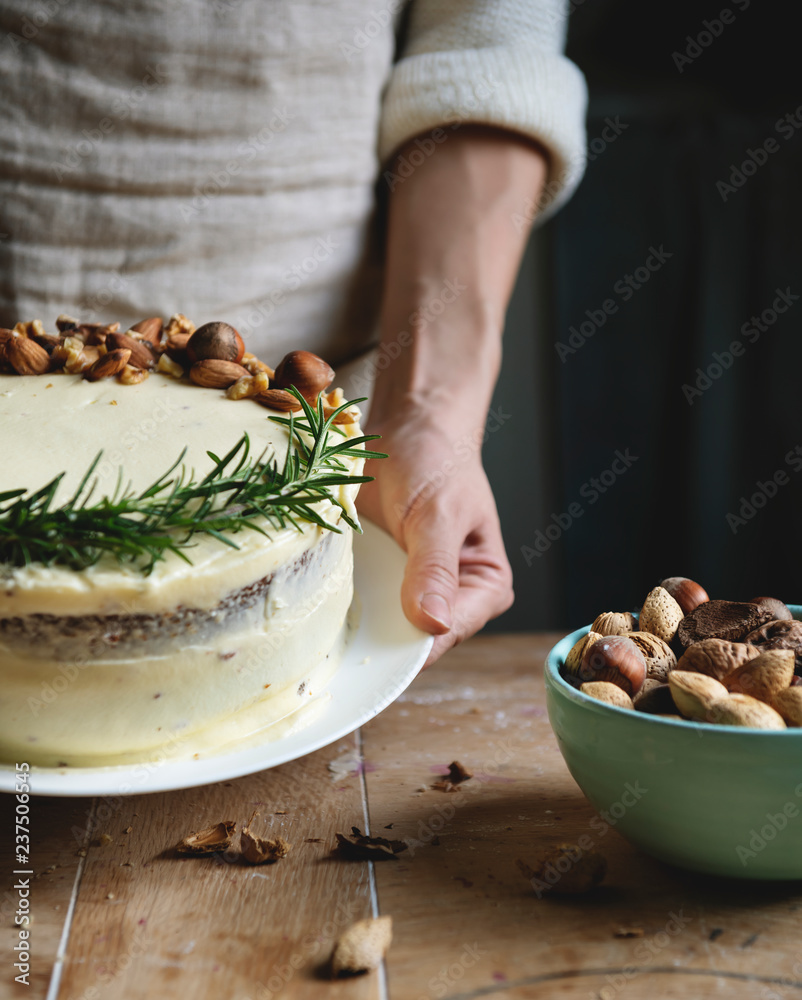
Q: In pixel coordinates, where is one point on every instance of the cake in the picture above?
(112, 656)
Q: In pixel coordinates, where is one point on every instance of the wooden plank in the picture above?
(58, 833)
(468, 925)
(150, 924)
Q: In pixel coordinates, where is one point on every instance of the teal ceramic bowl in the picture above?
(717, 799)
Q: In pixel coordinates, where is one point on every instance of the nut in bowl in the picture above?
(705, 771)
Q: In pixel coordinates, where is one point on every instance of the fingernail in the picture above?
(436, 606)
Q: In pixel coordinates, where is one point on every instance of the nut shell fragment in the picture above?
(362, 947)
(261, 851)
(209, 841)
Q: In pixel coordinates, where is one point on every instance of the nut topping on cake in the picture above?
(26, 357)
(110, 364)
(306, 371)
(215, 342)
(214, 374)
(141, 354)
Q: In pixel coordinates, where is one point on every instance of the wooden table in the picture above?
(128, 918)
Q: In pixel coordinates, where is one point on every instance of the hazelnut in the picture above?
(687, 593)
(306, 371)
(779, 611)
(215, 342)
(617, 659)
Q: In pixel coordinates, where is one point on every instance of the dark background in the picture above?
(655, 185)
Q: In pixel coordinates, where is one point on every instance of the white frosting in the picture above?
(59, 423)
(219, 684)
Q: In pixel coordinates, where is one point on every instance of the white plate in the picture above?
(381, 661)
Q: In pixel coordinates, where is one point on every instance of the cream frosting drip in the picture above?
(58, 423)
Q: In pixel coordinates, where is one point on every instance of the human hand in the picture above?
(432, 495)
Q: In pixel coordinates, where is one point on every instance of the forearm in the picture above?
(452, 257)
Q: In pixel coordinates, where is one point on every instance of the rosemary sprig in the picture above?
(140, 528)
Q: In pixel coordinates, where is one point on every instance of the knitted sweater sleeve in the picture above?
(493, 62)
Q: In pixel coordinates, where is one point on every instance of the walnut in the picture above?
(716, 657)
(779, 634)
(178, 324)
(248, 386)
(255, 366)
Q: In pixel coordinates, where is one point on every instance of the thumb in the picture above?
(431, 579)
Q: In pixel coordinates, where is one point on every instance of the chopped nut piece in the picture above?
(209, 841)
(255, 366)
(336, 398)
(179, 324)
(104, 840)
(456, 775)
(362, 947)
(359, 847)
(132, 376)
(248, 386)
(259, 851)
(169, 367)
(31, 328)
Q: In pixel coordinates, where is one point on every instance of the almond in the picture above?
(150, 329)
(610, 694)
(141, 354)
(215, 374)
(176, 347)
(660, 614)
(278, 399)
(743, 710)
(110, 364)
(789, 704)
(764, 676)
(694, 694)
(26, 357)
